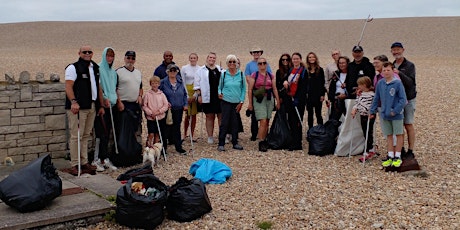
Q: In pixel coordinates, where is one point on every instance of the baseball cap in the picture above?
(170, 66)
(357, 49)
(130, 53)
(397, 44)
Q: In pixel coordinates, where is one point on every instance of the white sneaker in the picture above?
(98, 164)
(210, 140)
(108, 164)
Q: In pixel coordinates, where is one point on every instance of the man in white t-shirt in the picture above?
(129, 90)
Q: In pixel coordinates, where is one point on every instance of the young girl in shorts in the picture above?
(155, 104)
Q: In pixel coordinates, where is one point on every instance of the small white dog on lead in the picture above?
(152, 154)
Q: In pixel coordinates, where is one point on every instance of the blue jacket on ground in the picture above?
(392, 97)
(210, 171)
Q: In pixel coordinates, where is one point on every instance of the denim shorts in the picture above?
(409, 111)
(392, 127)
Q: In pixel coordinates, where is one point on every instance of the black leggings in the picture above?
(316, 106)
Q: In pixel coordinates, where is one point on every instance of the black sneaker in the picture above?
(237, 147)
(181, 151)
(409, 155)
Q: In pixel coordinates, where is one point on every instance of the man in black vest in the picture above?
(82, 91)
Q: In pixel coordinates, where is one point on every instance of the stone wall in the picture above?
(32, 118)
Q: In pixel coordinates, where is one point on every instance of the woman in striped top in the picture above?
(362, 106)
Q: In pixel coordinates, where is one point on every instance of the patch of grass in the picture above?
(111, 199)
(110, 216)
(265, 225)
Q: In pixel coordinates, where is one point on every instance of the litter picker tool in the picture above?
(113, 129)
(365, 144)
(351, 141)
(78, 143)
(368, 19)
(192, 150)
(161, 138)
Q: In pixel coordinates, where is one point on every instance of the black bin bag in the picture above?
(279, 136)
(33, 187)
(323, 138)
(130, 151)
(187, 200)
(140, 211)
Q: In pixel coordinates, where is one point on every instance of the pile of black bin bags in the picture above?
(33, 187)
(184, 201)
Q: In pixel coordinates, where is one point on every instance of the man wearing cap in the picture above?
(129, 90)
(160, 71)
(406, 71)
(251, 67)
(82, 91)
(359, 67)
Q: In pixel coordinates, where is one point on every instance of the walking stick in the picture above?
(190, 131)
(78, 143)
(113, 129)
(365, 144)
(351, 141)
(161, 138)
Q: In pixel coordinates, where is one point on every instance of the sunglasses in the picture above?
(87, 52)
(284, 59)
(262, 63)
(173, 70)
(231, 62)
(130, 58)
(256, 52)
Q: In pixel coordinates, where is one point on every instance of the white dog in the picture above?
(152, 154)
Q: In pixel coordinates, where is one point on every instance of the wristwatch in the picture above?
(74, 100)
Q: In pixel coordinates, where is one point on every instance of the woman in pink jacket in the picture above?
(155, 104)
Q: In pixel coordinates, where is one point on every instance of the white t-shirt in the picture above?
(188, 73)
(71, 74)
(338, 84)
(129, 83)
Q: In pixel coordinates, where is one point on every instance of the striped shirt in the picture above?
(363, 103)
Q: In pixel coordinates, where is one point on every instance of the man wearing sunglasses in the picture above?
(129, 90)
(251, 67)
(82, 90)
(160, 71)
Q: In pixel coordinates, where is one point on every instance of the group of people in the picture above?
(95, 91)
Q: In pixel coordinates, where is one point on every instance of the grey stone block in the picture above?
(53, 122)
(14, 136)
(27, 104)
(26, 150)
(5, 117)
(27, 142)
(58, 102)
(48, 96)
(25, 120)
(24, 77)
(9, 105)
(54, 77)
(31, 127)
(17, 112)
(38, 134)
(8, 144)
(26, 93)
(9, 77)
(57, 147)
(48, 88)
(39, 111)
(9, 129)
(51, 140)
(40, 77)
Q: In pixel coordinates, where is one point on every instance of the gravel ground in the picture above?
(292, 190)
